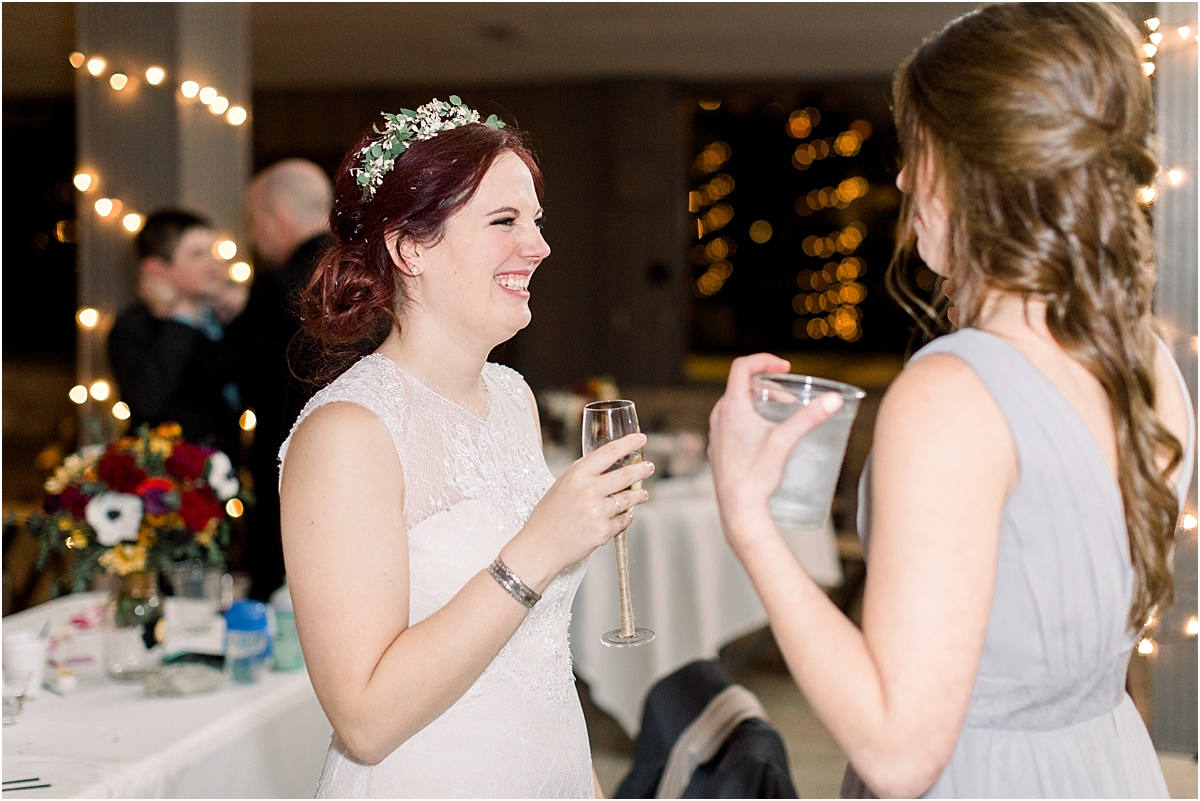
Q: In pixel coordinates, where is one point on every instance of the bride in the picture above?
(431, 556)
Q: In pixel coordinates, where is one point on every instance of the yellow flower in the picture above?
(157, 521)
(73, 466)
(146, 535)
(65, 523)
(206, 535)
(78, 540)
(162, 447)
(167, 431)
(124, 559)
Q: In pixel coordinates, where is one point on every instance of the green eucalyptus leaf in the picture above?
(455, 100)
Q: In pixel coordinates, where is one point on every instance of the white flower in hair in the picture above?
(403, 129)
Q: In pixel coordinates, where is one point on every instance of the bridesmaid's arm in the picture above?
(894, 694)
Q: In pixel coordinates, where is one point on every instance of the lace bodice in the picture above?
(470, 484)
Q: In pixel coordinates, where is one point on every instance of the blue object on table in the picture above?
(248, 641)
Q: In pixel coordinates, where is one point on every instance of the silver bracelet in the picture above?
(518, 589)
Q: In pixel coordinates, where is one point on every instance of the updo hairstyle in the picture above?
(356, 292)
(1038, 118)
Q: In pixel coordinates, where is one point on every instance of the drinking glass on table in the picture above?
(805, 492)
(603, 422)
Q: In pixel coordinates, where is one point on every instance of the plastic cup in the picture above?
(805, 491)
(16, 682)
(25, 651)
(197, 596)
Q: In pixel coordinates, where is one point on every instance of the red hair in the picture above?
(350, 304)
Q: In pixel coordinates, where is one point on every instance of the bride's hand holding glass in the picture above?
(586, 507)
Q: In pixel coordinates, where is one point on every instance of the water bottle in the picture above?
(286, 644)
(248, 641)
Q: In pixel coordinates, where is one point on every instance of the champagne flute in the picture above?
(603, 422)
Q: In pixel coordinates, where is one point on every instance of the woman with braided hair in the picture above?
(431, 556)
(1020, 503)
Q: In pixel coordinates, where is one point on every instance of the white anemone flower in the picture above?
(115, 517)
(221, 476)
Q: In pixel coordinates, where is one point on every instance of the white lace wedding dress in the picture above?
(470, 485)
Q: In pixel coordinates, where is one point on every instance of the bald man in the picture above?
(288, 207)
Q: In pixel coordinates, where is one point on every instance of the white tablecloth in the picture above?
(687, 587)
(109, 740)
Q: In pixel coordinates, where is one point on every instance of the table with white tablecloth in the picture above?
(109, 739)
(687, 587)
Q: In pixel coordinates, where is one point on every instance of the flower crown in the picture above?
(403, 129)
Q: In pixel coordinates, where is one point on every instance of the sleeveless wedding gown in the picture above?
(471, 483)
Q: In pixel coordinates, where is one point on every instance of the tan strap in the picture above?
(702, 739)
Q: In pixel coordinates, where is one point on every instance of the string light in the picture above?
(1145, 646)
(237, 115)
(189, 89)
(118, 80)
(77, 59)
(1175, 176)
(83, 181)
(1156, 38)
(1147, 195)
(1152, 23)
(234, 507)
(88, 317)
(240, 272)
(104, 206)
(218, 105)
(120, 410)
(208, 95)
(1184, 31)
(1188, 522)
(78, 394)
(96, 66)
(1148, 68)
(1192, 627)
(226, 249)
(100, 390)
(133, 222)
(1149, 49)
(760, 231)
(155, 75)
(248, 420)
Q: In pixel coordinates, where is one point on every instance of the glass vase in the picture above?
(133, 637)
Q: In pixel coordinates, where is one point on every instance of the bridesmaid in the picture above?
(1021, 500)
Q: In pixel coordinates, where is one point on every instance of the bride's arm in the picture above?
(380, 680)
(894, 694)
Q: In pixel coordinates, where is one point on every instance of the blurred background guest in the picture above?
(168, 350)
(287, 206)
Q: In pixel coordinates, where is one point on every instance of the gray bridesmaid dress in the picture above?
(1048, 714)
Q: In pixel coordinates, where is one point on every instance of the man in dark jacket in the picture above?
(288, 207)
(167, 351)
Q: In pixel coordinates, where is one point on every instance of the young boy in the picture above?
(167, 350)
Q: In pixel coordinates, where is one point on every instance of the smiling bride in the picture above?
(432, 558)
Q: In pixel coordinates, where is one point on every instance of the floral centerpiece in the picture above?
(138, 505)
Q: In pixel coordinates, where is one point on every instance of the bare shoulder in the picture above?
(342, 442)
(940, 388)
(939, 414)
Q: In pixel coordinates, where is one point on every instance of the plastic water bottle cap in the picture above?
(247, 616)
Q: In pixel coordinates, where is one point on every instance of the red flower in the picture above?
(199, 506)
(186, 462)
(120, 472)
(74, 501)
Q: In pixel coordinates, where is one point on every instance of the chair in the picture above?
(703, 736)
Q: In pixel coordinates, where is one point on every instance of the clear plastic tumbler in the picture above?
(805, 492)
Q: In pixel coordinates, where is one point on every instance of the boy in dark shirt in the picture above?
(167, 350)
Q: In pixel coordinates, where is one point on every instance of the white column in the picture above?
(148, 147)
(1174, 665)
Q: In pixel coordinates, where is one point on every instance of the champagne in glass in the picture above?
(603, 422)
